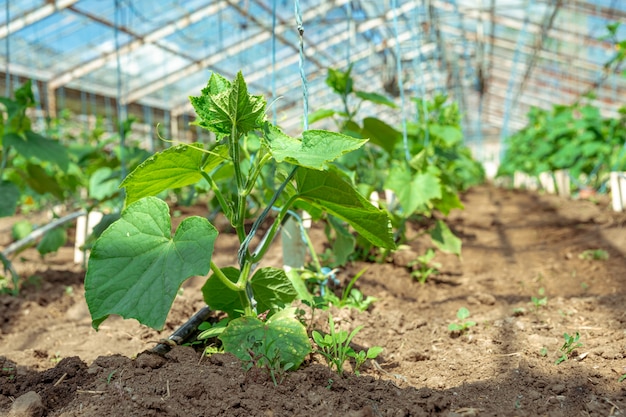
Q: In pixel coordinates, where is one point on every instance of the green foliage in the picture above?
(280, 343)
(423, 268)
(594, 254)
(575, 138)
(462, 325)
(336, 349)
(570, 345)
(439, 169)
(540, 301)
(136, 266)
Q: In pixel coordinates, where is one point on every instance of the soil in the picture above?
(516, 244)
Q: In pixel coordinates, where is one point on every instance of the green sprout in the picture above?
(570, 345)
(462, 325)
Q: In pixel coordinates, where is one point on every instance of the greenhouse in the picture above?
(306, 207)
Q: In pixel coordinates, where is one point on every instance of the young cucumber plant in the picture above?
(136, 266)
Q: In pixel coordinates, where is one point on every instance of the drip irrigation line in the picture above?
(36, 234)
(184, 332)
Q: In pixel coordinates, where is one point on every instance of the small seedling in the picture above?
(462, 325)
(541, 300)
(621, 378)
(423, 267)
(266, 356)
(594, 255)
(570, 345)
(335, 347)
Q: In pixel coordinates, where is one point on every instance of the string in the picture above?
(405, 139)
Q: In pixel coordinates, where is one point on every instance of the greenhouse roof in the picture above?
(497, 58)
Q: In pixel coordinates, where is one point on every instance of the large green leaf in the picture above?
(52, 240)
(376, 98)
(41, 182)
(271, 287)
(33, 145)
(329, 191)
(282, 332)
(174, 167)
(451, 135)
(380, 133)
(10, 196)
(413, 190)
(223, 105)
(445, 240)
(136, 267)
(315, 150)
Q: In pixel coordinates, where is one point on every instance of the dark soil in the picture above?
(514, 244)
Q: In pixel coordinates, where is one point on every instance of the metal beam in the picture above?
(169, 28)
(210, 61)
(33, 16)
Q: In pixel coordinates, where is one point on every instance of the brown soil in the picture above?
(515, 243)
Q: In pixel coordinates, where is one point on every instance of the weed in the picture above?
(570, 345)
(594, 255)
(335, 347)
(423, 267)
(541, 300)
(265, 355)
(462, 325)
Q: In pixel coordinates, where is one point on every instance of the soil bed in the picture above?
(514, 244)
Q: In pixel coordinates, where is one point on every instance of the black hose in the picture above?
(183, 332)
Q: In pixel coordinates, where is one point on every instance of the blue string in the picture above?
(7, 78)
(305, 90)
(274, 115)
(348, 29)
(405, 140)
(417, 65)
(121, 108)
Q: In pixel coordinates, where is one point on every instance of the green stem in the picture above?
(218, 194)
(218, 273)
(256, 172)
(269, 237)
(240, 208)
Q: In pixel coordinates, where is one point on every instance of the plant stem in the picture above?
(240, 208)
(269, 237)
(218, 273)
(220, 197)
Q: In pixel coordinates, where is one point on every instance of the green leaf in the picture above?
(462, 313)
(52, 240)
(339, 81)
(10, 196)
(381, 134)
(413, 191)
(103, 183)
(271, 287)
(33, 145)
(174, 167)
(329, 191)
(21, 229)
(449, 134)
(272, 290)
(320, 114)
(449, 200)
(282, 331)
(315, 150)
(223, 105)
(39, 180)
(444, 239)
(136, 267)
(376, 98)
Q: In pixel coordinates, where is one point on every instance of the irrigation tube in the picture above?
(36, 234)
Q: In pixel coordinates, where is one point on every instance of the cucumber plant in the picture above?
(136, 266)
